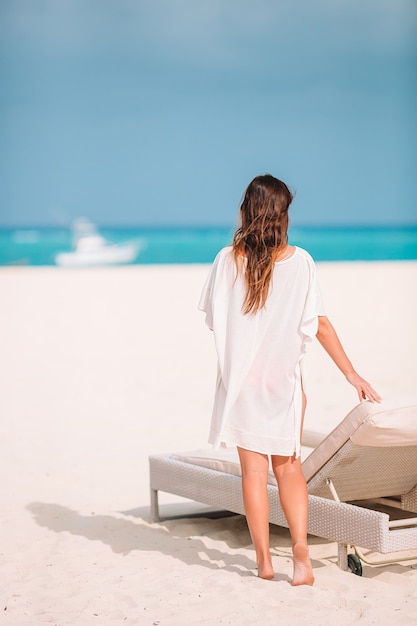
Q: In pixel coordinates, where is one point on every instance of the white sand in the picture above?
(100, 368)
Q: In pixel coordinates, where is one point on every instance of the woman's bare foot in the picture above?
(303, 572)
(265, 570)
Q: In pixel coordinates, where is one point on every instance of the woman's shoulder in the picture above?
(302, 253)
(222, 259)
(224, 253)
(226, 250)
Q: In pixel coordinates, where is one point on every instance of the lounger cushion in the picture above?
(388, 428)
(390, 423)
(225, 460)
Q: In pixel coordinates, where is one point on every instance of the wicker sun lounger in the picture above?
(362, 481)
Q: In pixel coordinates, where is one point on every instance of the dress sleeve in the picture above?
(321, 310)
(205, 303)
(314, 306)
(206, 299)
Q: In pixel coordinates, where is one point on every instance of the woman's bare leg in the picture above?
(293, 495)
(294, 501)
(255, 499)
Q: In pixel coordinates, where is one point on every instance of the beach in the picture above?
(99, 369)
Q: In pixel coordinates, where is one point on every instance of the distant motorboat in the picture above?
(92, 249)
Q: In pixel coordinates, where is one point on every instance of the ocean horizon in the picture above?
(38, 246)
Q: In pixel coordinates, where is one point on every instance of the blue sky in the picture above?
(160, 112)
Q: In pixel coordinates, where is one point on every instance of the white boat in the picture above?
(91, 249)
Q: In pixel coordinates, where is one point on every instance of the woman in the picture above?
(263, 303)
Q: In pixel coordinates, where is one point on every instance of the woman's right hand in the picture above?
(364, 389)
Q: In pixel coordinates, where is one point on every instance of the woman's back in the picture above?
(259, 354)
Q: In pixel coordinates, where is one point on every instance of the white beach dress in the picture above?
(258, 398)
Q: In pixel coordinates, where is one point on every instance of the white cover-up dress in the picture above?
(258, 398)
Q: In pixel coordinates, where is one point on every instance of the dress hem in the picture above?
(281, 447)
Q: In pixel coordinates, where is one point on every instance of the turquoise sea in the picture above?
(38, 246)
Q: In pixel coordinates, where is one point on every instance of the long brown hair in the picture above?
(261, 236)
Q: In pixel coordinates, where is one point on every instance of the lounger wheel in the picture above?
(354, 564)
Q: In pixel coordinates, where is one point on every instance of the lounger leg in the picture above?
(342, 556)
(154, 506)
(409, 500)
